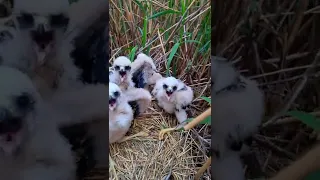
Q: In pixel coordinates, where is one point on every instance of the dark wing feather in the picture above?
(140, 82)
(91, 52)
(138, 78)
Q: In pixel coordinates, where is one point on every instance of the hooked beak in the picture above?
(112, 104)
(123, 75)
(169, 94)
(43, 40)
(10, 130)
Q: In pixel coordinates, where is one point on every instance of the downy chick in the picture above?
(31, 147)
(122, 73)
(238, 108)
(120, 114)
(14, 52)
(144, 71)
(173, 96)
(43, 24)
(140, 97)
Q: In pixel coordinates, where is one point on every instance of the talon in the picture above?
(165, 131)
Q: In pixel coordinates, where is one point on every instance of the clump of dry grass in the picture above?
(149, 158)
(275, 43)
(176, 34)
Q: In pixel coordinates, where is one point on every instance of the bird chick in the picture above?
(122, 73)
(42, 22)
(14, 52)
(144, 71)
(238, 108)
(140, 60)
(120, 114)
(138, 98)
(173, 96)
(31, 147)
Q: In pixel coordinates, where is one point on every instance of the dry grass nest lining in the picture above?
(150, 158)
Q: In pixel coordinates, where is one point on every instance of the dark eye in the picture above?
(174, 88)
(116, 94)
(25, 20)
(117, 68)
(24, 101)
(127, 68)
(3, 11)
(59, 20)
(165, 86)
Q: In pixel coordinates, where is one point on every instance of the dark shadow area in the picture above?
(275, 43)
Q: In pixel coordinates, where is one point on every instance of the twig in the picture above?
(296, 140)
(288, 58)
(299, 88)
(282, 71)
(274, 147)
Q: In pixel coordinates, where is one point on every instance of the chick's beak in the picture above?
(112, 103)
(169, 93)
(10, 129)
(123, 75)
(42, 42)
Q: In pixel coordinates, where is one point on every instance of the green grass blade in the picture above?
(132, 53)
(140, 6)
(162, 13)
(145, 31)
(193, 41)
(313, 176)
(147, 50)
(308, 119)
(171, 55)
(206, 99)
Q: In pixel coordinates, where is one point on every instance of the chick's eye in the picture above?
(165, 86)
(127, 68)
(25, 20)
(174, 88)
(24, 101)
(59, 20)
(116, 94)
(117, 68)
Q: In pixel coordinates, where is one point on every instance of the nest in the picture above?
(178, 156)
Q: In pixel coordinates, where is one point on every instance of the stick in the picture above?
(198, 119)
(203, 169)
